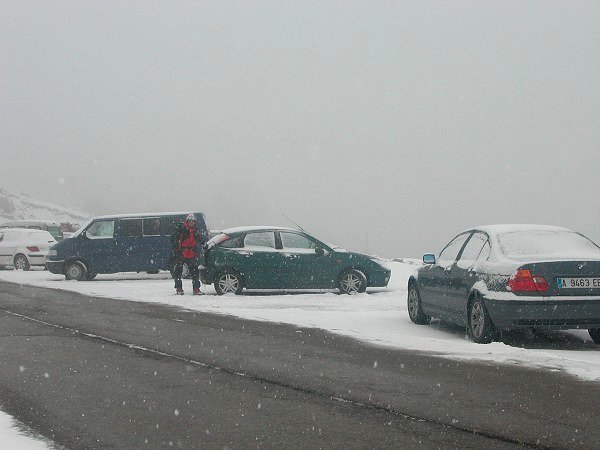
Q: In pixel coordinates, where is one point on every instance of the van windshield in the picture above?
(81, 228)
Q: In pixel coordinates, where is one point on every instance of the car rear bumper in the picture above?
(545, 313)
(55, 266)
(36, 260)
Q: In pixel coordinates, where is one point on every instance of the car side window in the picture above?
(262, 239)
(236, 242)
(472, 250)
(102, 229)
(450, 252)
(293, 241)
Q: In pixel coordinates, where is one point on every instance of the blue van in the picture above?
(121, 243)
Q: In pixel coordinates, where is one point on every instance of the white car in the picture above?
(23, 248)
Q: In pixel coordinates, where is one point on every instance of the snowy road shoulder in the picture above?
(377, 317)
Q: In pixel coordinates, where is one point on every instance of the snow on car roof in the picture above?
(508, 228)
(255, 228)
(24, 230)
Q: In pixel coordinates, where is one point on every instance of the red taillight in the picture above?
(523, 281)
(33, 248)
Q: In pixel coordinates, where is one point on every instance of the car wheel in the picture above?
(352, 282)
(595, 334)
(481, 329)
(76, 270)
(415, 308)
(229, 282)
(185, 271)
(21, 263)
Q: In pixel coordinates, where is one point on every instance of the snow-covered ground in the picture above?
(15, 435)
(378, 317)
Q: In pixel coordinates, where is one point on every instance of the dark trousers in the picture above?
(192, 264)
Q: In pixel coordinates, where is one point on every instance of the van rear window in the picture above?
(170, 224)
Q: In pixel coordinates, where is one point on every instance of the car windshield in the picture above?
(547, 244)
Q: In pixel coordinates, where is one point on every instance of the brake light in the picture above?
(523, 281)
(33, 248)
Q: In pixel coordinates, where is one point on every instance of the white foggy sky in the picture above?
(392, 125)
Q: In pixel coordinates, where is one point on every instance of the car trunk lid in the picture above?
(566, 278)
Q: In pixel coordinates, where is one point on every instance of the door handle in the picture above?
(289, 255)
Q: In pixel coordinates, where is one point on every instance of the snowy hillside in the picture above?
(21, 206)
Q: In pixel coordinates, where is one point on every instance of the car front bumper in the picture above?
(379, 278)
(550, 313)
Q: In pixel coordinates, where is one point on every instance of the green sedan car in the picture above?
(283, 258)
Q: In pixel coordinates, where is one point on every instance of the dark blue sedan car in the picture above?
(502, 277)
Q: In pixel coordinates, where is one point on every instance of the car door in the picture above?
(435, 282)
(461, 277)
(7, 247)
(302, 267)
(258, 261)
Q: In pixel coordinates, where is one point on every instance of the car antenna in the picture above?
(293, 222)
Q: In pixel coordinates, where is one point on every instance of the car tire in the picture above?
(229, 282)
(20, 262)
(352, 282)
(76, 270)
(480, 326)
(595, 334)
(415, 307)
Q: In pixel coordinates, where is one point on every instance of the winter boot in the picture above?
(197, 291)
(178, 291)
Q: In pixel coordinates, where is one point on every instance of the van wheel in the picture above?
(76, 271)
(595, 334)
(21, 262)
(352, 282)
(229, 282)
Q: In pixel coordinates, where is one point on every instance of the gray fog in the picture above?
(381, 126)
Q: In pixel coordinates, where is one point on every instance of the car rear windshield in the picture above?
(547, 244)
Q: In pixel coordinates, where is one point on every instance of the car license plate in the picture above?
(578, 283)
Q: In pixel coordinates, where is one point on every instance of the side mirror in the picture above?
(429, 258)
(84, 234)
(319, 251)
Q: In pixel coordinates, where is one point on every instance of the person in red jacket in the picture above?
(187, 241)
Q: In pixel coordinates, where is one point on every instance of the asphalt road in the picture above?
(93, 373)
